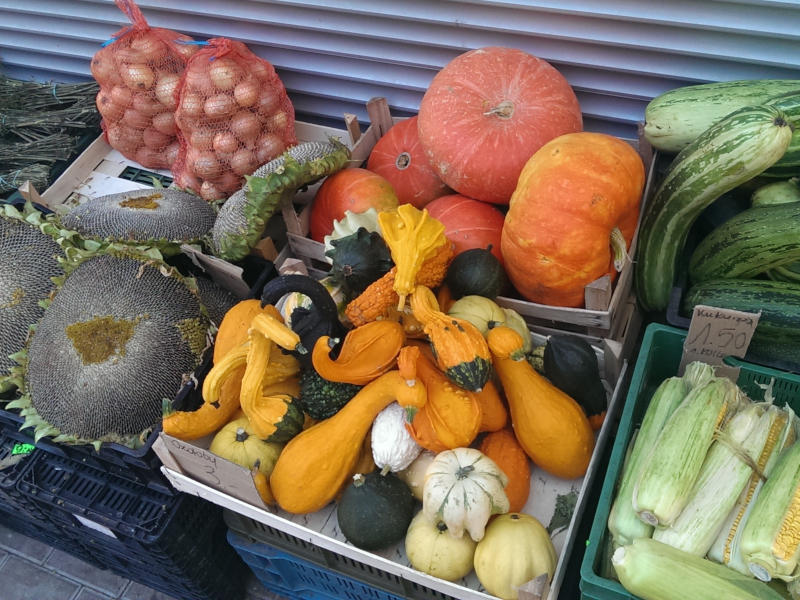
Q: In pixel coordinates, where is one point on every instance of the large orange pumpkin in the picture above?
(355, 190)
(485, 114)
(398, 156)
(571, 197)
(469, 223)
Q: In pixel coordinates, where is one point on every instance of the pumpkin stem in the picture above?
(403, 161)
(619, 248)
(441, 526)
(463, 472)
(504, 110)
(385, 470)
(358, 480)
(241, 434)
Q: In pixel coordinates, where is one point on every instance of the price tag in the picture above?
(715, 333)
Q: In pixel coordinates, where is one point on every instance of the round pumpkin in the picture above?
(486, 112)
(398, 156)
(578, 196)
(432, 550)
(469, 223)
(475, 272)
(355, 190)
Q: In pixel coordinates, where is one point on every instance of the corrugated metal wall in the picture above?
(333, 55)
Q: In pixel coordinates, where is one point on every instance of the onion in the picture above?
(268, 146)
(145, 104)
(166, 85)
(147, 157)
(121, 95)
(247, 92)
(171, 153)
(268, 102)
(165, 123)
(244, 162)
(209, 191)
(220, 105)
(138, 76)
(110, 110)
(277, 122)
(225, 73)
(261, 69)
(154, 139)
(225, 142)
(187, 181)
(103, 69)
(245, 125)
(124, 139)
(192, 104)
(228, 182)
(207, 166)
(201, 138)
(185, 50)
(133, 118)
(149, 48)
(197, 80)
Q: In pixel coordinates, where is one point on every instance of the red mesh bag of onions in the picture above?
(233, 116)
(138, 71)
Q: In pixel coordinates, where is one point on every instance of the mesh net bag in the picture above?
(233, 115)
(138, 71)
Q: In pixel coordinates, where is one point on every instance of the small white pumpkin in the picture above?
(432, 550)
(414, 475)
(478, 310)
(393, 448)
(463, 488)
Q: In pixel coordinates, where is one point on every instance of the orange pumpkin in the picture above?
(398, 156)
(355, 190)
(504, 449)
(486, 112)
(469, 223)
(578, 195)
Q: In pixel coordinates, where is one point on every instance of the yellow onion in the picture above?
(244, 162)
(166, 85)
(138, 76)
(165, 123)
(192, 104)
(145, 104)
(225, 73)
(268, 146)
(225, 142)
(246, 126)
(277, 122)
(247, 92)
(219, 105)
(154, 139)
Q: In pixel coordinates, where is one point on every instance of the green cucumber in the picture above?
(675, 118)
(733, 151)
(746, 245)
(778, 192)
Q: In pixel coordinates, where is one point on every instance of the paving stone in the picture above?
(87, 594)
(74, 568)
(23, 580)
(16, 543)
(137, 591)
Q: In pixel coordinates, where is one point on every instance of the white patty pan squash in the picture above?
(432, 550)
(463, 488)
(515, 549)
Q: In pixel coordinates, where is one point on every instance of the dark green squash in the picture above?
(358, 260)
(571, 365)
(375, 510)
(476, 272)
(322, 398)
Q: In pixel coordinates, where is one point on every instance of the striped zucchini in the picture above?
(749, 243)
(729, 153)
(675, 118)
(778, 192)
(790, 105)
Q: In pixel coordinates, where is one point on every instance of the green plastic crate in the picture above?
(659, 358)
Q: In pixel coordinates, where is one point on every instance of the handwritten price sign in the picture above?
(715, 333)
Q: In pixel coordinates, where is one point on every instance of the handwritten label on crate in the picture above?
(215, 471)
(715, 333)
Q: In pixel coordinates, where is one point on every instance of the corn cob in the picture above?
(656, 571)
(771, 538)
(623, 522)
(725, 473)
(780, 434)
(666, 478)
(697, 373)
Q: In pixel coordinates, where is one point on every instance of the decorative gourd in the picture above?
(469, 223)
(460, 349)
(399, 157)
(282, 367)
(350, 223)
(432, 550)
(494, 415)
(235, 324)
(515, 321)
(393, 448)
(322, 398)
(515, 550)
(571, 365)
(366, 352)
(353, 189)
(463, 488)
(504, 449)
(316, 463)
(414, 475)
(357, 260)
(476, 272)
(550, 426)
(375, 302)
(486, 112)
(238, 443)
(572, 217)
(375, 510)
(454, 413)
(413, 237)
(478, 310)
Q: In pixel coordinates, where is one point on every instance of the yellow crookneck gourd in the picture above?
(460, 348)
(316, 463)
(367, 352)
(550, 426)
(412, 236)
